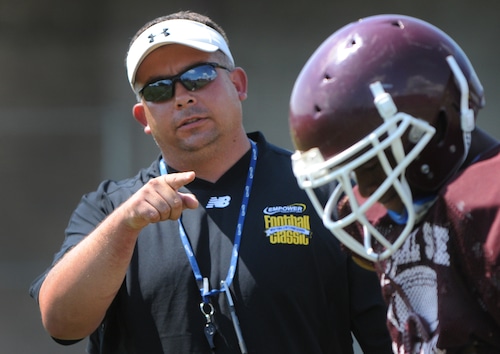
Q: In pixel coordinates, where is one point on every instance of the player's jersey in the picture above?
(443, 285)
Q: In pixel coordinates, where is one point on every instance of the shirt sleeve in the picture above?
(91, 210)
(368, 311)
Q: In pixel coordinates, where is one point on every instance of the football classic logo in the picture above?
(287, 224)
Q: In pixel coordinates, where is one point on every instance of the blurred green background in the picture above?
(65, 106)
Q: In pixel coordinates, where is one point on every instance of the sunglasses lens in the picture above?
(198, 77)
(192, 79)
(158, 91)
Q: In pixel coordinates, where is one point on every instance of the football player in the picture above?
(384, 114)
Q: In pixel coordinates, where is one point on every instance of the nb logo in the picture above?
(218, 202)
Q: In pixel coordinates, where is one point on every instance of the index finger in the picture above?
(179, 179)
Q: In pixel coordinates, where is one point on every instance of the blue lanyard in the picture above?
(203, 282)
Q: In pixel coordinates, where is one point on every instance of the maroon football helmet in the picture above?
(386, 83)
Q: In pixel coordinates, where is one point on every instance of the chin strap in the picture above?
(467, 120)
(420, 206)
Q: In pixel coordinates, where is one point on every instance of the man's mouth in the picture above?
(190, 121)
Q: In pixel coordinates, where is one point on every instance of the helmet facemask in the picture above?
(384, 144)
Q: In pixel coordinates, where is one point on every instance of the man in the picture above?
(213, 248)
(386, 109)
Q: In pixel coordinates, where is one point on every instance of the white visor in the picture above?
(186, 32)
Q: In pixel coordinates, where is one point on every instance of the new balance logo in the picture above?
(218, 202)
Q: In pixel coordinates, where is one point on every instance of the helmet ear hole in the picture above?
(441, 126)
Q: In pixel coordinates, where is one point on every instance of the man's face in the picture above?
(190, 120)
(369, 177)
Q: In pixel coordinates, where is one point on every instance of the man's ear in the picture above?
(240, 81)
(140, 116)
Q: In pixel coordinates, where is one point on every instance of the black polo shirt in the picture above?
(294, 290)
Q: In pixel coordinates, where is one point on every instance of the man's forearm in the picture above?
(79, 289)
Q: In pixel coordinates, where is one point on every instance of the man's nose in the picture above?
(182, 95)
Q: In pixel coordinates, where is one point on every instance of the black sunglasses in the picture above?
(194, 78)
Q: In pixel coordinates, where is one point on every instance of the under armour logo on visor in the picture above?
(152, 36)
